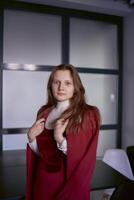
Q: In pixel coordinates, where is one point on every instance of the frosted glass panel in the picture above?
(107, 140)
(14, 141)
(23, 94)
(102, 91)
(93, 44)
(32, 38)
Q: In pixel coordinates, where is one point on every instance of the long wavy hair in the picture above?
(78, 105)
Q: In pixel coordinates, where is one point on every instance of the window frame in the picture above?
(66, 14)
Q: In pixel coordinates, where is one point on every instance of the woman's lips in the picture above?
(61, 94)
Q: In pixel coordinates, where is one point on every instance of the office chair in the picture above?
(124, 192)
(117, 159)
(130, 154)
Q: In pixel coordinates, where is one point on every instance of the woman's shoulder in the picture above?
(42, 110)
(91, 108)
(93, 111)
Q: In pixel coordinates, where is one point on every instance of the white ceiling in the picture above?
(116, 7)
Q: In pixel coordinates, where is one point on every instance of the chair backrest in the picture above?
(124, 192)
(130, 154)
(117, 159)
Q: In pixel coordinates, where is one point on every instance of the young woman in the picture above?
(62, 145)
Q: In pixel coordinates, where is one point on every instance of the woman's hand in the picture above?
(59, 129)
(36, 129)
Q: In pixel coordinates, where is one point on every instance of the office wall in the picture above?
(128, 96)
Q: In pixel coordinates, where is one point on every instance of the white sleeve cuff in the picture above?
(34, 147)
(63, 146)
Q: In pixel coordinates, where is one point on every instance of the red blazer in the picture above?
(56, 176)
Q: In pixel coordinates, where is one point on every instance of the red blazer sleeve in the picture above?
(31, 165)
(81, 157)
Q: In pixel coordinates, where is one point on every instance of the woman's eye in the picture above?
(68, 83)
(55, 82)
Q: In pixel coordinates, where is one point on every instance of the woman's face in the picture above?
(62, 85)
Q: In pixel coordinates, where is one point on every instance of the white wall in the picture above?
(128, 88)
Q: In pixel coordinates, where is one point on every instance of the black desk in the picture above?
(12, 175)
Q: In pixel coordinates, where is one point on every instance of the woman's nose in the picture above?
(61, 86)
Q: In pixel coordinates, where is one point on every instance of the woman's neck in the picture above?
(56, 113)
(62, 105)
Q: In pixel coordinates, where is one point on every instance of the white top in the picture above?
(56, 113)
(53, 115)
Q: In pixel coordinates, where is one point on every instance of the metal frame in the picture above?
(1, 61)
(65, 13)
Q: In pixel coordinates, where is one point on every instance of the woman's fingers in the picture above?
(59, 122)
(40, 121)
(62, 122)
(66, 122)
(39, 125)
(36, 129)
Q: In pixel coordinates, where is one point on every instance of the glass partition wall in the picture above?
(34, 41)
